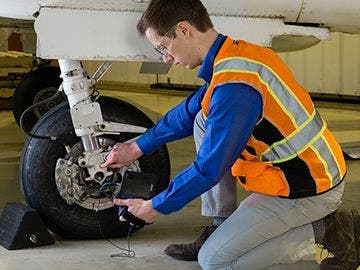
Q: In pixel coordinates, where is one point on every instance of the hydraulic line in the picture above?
(41, 137)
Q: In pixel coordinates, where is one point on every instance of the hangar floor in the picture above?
(150, 242)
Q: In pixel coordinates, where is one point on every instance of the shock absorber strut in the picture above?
(86, 117)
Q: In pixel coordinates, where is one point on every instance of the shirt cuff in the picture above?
(146, 143)
(157, 204)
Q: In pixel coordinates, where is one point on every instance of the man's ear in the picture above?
(185, 28)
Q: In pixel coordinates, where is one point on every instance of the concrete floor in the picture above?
(150, 242)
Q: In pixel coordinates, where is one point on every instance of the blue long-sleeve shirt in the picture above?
(234, 111)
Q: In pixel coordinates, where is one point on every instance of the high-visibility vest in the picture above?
(291, 152)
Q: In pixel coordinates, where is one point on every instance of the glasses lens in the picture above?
(161, 49)
(158, 50)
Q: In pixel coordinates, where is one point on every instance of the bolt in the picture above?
(68, 172)
(33, 238)
(70, 201)
(71, 191)
(99, 176)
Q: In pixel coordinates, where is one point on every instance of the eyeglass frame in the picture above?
(161, 48)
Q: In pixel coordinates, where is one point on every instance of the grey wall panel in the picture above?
(330, 67)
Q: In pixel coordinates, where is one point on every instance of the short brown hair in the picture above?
(161, 15)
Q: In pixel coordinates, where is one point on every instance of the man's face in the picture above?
(176, 50)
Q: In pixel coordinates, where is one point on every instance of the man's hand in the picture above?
(122, 154)
(140, 208)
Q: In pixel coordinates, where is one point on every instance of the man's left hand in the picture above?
(139, 208)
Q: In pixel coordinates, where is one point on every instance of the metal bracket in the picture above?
(114, 128)
(86, 115)
(91, 161)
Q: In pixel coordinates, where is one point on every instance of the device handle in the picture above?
(138, 223)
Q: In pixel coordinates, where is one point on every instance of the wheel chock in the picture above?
(22, 227)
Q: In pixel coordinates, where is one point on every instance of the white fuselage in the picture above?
(78, 29)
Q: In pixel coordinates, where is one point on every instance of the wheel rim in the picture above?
(42, 95)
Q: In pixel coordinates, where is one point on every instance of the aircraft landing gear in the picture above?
(66, 185)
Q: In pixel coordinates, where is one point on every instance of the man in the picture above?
(252, 120)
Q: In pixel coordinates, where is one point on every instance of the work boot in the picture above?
(342, 239)
(189, 251)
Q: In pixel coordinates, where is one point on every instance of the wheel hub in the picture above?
(73, 183)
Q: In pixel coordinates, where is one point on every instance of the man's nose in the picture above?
(167, 58)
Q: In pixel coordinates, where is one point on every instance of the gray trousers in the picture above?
(263, 230)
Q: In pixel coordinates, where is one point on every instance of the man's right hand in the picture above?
(121, 155)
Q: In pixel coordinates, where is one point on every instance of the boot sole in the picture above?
(181, 258)
(356, 216)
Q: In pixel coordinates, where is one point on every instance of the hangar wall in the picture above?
(3, 45)
(329, 67)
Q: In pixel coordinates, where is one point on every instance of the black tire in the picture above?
(37, 171)
(37, 85)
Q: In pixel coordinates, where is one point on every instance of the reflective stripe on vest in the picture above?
(297, 142)
(332, 165)
(277, 88)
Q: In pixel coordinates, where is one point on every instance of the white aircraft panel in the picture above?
(288, 10)
(342, 16)
(85, 34)
(109, 5)
(18, 9)
(254, 8)
(111, 35)
(262, 30)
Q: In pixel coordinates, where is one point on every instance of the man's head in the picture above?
(174, 28)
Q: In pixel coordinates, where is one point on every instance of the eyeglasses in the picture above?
(161, 48)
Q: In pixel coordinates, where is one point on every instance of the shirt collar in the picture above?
(206, 69)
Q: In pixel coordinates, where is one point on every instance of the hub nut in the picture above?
(71, 191)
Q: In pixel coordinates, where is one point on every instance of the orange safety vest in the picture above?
(291, 152)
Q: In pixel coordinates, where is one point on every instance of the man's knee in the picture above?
(209, 261)
(204, 259)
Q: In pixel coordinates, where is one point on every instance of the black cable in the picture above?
(26, 112)
(129, 253)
